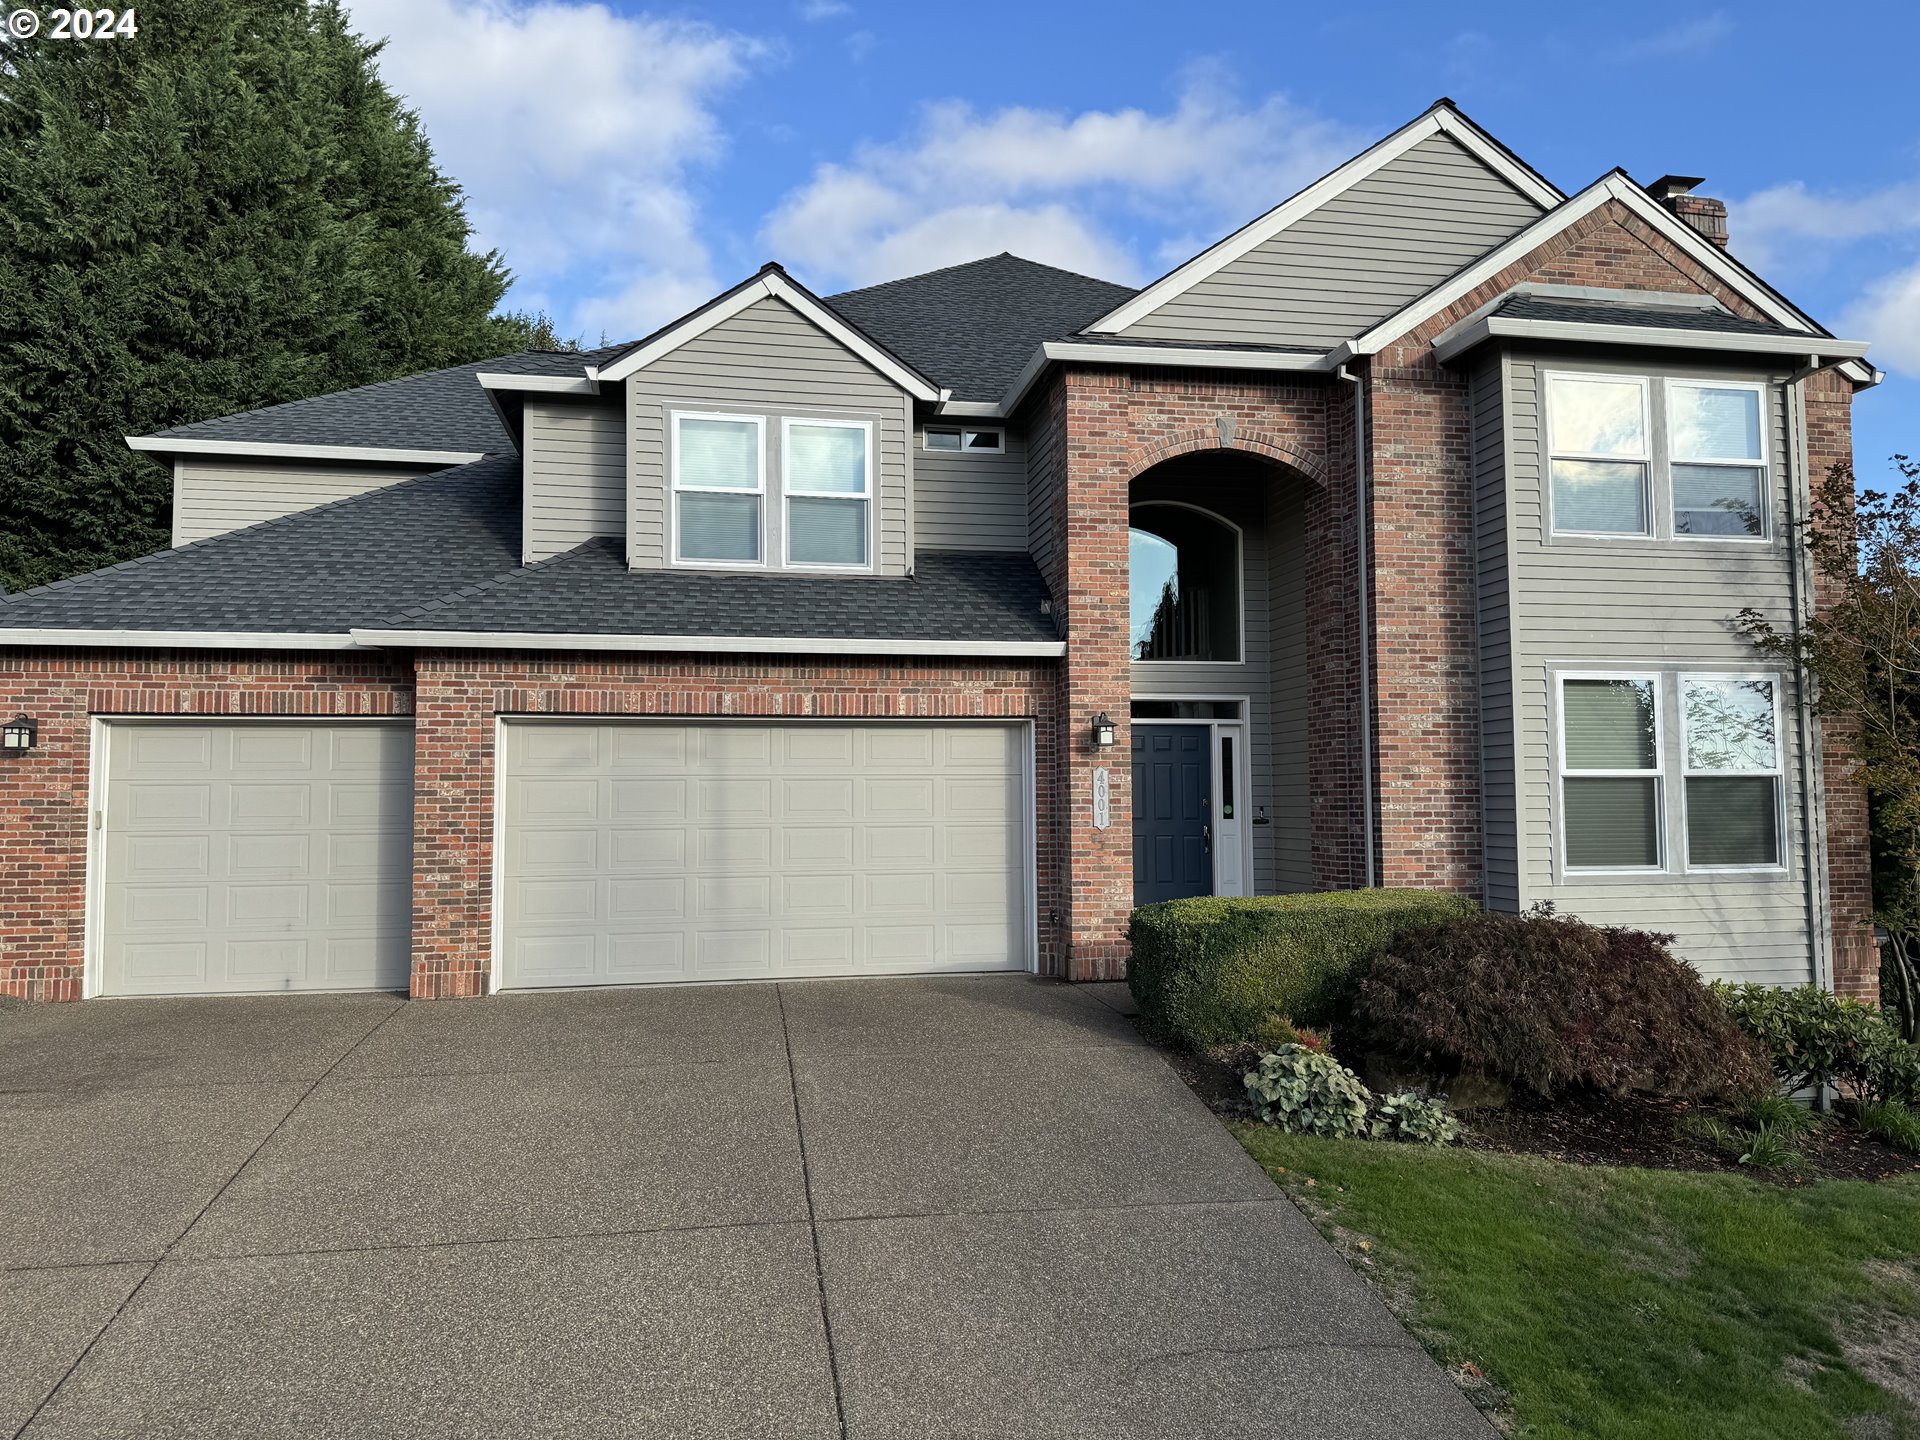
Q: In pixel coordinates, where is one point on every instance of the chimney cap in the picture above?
(1669, 187)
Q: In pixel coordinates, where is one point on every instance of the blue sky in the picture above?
(632, 159)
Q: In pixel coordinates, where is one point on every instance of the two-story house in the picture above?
(1395, 539)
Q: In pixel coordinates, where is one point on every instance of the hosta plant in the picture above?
(1415, 1119)
(1309, 1093)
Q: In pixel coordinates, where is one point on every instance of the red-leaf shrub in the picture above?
(1553, 1005)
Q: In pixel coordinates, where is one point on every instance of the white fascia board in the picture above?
(180, 639)
(1609, 187)
(1458, 339)
(1328, 187)
(581, 384)
(710, 644)
(974, 409)
(772, 285)
(1193, 356)
(179, 445)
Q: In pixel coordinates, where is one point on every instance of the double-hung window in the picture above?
(1718, 469)
(719, 482)
(1733, 772)
(1600, 457)
(827, 478)
(1610, 787)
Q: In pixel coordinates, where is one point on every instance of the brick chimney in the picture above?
(1709, 217)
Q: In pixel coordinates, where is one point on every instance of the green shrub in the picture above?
(1814, 1037)
(1227, 971)
(1891, 1121)
(1552, 1005)
(1415, 1119)
(1308, 1093)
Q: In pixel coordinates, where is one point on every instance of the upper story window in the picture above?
(957, 438)
(1617, 770)
(719, 481)
(827, 479)
(1682, 460)
(1601, 456)
(1184, 585)
(1719, 469)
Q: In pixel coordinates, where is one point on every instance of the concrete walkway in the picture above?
(913, 1208)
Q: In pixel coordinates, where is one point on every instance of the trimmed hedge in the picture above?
(1230, 970)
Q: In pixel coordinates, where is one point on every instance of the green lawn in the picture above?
(1637, 1304)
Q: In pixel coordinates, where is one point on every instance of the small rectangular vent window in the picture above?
(956, 438)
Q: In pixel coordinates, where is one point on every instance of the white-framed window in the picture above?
(1611, 764)
(1599, 454)
(1732, 772)
(958, 439)
(719, 488)
(1716, 459)
(827, 485)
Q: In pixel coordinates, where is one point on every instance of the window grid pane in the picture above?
(1598, 418)
(1612, 823)
(829, 459)
(719, 527)
(826, 532)
(1600, 497)
(1610, 725)
(1719, 500)
(1714, 423)
(1733, 820)
(1730, 726)
(717, 454)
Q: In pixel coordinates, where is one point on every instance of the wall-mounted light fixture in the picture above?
(1103, 731)
(19, 734)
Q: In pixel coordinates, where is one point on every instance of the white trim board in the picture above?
(1441, 119)
(1198, 357)
(1613, 186)
(585, 383)
(770, 283)
(710, 644)
(274, 450)
(180, 639)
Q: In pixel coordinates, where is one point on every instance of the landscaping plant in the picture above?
(1553, 1005)
(1222, 971)
(1413, 1118)
(1891, 1121)
(1308, 1093)
(1813, 1037)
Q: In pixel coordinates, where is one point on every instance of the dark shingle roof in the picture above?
(437, 410)
(972, 327)
(321, 571)
(590, 591)
(1571, 310)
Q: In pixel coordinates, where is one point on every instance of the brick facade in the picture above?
(44, 793)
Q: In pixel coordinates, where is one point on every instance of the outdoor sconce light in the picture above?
(19, 734)
(1103, 731)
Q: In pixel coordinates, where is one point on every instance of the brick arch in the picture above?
(1264, 443)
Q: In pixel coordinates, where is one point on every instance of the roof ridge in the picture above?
(206, 542)
(968, 265)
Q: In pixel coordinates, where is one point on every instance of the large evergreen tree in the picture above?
(229, 210)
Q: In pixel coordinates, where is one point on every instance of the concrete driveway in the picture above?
(872, 1208)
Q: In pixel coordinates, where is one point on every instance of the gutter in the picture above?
(707, 644)
(272, 450)
(1187, 356)
(1363, 603)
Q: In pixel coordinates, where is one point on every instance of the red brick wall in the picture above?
(43, 794)
(460, 694)
(1856, 956)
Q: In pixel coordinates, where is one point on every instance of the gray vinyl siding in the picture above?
(1498, 797)
(211, 497)
(1663, 606)
(1355, 259)
(1232, 499)
(769, 361)
(574, 475)
(1288, 799)
(969, 500)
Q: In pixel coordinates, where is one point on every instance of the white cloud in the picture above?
(1069, 190)
(1693, 37)
(814, 11)
(1888, 315)
(1790, 212)
(572, 129)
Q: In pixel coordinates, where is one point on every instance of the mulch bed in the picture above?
(1592, 1130)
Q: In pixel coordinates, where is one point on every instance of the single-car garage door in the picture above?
(650, 852)
(261, 856)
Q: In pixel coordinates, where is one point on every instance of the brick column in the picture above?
(1426, 671)
(1856, 956)
(453, 784)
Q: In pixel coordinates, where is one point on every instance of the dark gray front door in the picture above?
(1172, 787)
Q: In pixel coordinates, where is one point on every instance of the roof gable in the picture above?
(1350, 247)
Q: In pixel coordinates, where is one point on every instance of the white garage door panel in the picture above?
(256, 857)
(655, 852)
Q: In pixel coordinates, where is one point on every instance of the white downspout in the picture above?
(1365, 612)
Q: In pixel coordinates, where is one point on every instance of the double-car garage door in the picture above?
(271, 856)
